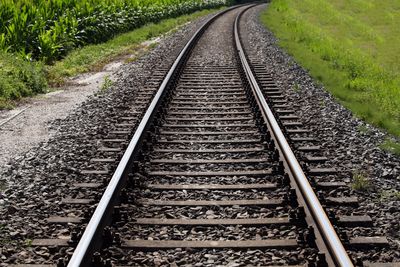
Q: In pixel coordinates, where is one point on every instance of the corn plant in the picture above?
(47, 30)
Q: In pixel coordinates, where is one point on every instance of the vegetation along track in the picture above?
(209, 177)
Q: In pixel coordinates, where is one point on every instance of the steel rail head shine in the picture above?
(331, 239)
(82, 255)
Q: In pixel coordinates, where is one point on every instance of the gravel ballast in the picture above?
(214, 53)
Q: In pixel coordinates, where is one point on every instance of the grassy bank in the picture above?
(351, 47)
(21, 78)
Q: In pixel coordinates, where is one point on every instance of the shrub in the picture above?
(19, 78)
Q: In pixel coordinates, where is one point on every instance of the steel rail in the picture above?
(331, 239)
(100, 218)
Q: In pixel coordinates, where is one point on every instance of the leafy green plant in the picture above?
(50, 29)
(107, 84)
(3, 45)
(28, 242)
(360, 181)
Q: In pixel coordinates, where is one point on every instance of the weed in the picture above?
(360, 181)
(296, 87)
(389, 195)
(363, 129)
(391, 146)
(107, 84)
(19, 78)
(4, 239)
(28, 242)
(292, 64)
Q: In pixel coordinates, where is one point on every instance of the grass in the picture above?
(107, 84)
(363, 129)
(93, 57)
(392, 146)
(349, 46)
(28, 242)
(19, 78)
(360, 181)
(296, 87)
(389, 195)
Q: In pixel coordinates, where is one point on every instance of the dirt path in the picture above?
(26, 126)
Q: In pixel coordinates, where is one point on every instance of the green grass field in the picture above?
(352, 47)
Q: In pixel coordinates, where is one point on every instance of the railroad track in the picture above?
(213, 167)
